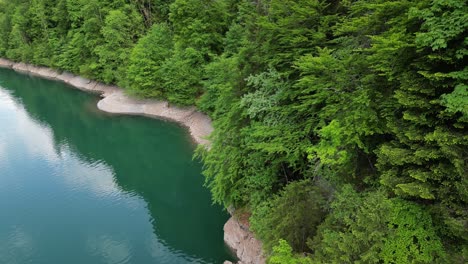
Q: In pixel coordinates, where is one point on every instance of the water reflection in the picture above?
(124, 189)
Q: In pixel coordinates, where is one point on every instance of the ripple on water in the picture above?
(18, 247)
(165, 254)
(110, 249)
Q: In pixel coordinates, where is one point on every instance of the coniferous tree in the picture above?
(353, 110)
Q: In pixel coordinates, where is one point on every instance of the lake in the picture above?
(81, 186)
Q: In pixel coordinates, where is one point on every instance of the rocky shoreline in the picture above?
(242, 242)
(236, 235)
(116, 101)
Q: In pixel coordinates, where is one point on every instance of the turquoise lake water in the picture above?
(81, 186)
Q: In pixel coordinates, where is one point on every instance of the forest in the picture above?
(340, 125)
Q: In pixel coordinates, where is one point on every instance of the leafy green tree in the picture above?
(306, 97)
(145, 74)
(354, 230)
(181, 74)
(283, 254)
(18, 39)
(335, 102)
(121, 29)
(153, 11)
(221, 77)
(86, 18)
(292, 28)
(425, 159)
(274, 157)
(199, 24)
(75, 54)
(304, 203)
(198, 28)
(370, 228)
(5, 27)
(412, 237)
(39, 28)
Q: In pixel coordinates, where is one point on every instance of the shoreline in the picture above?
(115, 101)
(237, 236)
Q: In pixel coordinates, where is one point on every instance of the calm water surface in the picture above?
(81, 186)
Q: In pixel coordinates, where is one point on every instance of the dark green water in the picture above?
(81, 186)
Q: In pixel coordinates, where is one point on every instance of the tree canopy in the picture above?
(340, 125)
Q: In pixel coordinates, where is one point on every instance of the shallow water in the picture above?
(81, 186)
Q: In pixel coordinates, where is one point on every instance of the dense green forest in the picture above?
(340, 125)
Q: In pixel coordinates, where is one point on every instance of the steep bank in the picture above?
(236, 235)
(242, 242)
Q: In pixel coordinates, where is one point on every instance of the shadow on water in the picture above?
(152, 159)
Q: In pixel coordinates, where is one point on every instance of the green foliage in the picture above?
(181, 76)
(412, 237)
(345, 110)
(18, 38)
(367, 95)
(291, 29)
(304, 203)
(283, 254)
(444, 21)
(199, 24)
(426, 158)
(224, 75)
(355, 229)
(456, 101)
(370, 228)
(120, 29)
(144, 73)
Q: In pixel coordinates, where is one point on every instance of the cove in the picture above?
(81, 186)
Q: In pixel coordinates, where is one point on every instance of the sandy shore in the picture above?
(117, 102)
